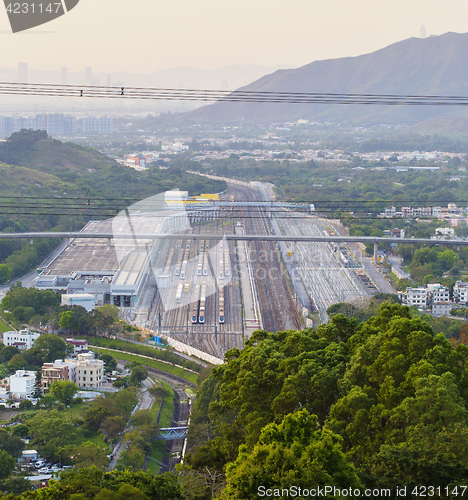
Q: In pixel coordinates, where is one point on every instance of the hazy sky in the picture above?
(147, 35)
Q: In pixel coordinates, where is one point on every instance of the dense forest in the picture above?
(380, 404)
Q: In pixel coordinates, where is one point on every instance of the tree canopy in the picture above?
(389, 393)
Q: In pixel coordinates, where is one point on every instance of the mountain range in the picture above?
(437, 65)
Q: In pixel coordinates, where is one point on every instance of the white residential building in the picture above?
(89, 371)
(22, 384)
(24, 339)
(438, 293)
(78, 345)
(460, 292)
(415, 297)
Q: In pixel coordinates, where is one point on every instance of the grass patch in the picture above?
(157, 452)
(152, 363)
(145, 350)
(168, 407)
(4, 327)
(98, 439)
(76, 410)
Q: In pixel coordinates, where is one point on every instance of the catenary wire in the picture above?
(55, 90)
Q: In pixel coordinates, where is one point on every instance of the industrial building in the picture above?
(95, 272)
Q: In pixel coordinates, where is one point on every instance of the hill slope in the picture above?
(435, 65)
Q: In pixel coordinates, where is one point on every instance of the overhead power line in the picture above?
(207, 95)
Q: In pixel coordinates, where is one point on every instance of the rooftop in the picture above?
(86, 256)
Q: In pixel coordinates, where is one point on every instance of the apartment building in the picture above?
(56, 371)
(22, 384)
(438, 293)
(460, 292)
(415, 297)
(89, 371)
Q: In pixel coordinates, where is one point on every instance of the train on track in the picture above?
(221, 313)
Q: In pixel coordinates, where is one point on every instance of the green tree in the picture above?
(63, 390)
(47, 349)
(132, 460)
(16, 485)
(461, 230)
(294, 452)
(10, 443)
(7, 464)
(17, 362)
(88, 454)
(52, 431)
(8, 352)
(5, 273)
(94, 417)
(110, 363)
(114, 425)
(25, 404)
(66, 321)
(139, 373)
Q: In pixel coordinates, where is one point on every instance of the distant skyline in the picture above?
(146, 36)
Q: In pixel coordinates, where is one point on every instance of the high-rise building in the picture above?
(22, 72)
(100, 125)
(104, 125)
(41, 122)
(423, 31)
(88, 75)
(64, 76)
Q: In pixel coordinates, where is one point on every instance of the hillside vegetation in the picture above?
(381, 404)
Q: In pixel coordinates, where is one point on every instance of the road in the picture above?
(28, 279)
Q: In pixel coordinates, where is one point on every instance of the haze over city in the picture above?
(144, 36)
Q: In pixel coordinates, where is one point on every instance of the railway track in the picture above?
(276, 299)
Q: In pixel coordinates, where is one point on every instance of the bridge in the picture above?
(168, 433)
(232, 237)
(375, 240)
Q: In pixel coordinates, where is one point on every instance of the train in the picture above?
(183, 267)
(227, 271)
(202, 306)
(179, 262)
(195, 304)
(200, 264)
(221, 265)
(179, 293)
(221, 314)
(205, 264)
